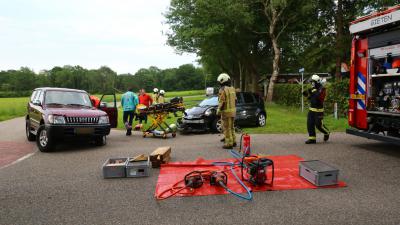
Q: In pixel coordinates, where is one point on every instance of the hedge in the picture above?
(290, 95)
(12, 94)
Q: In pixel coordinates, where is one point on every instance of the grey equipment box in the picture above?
(138, 169)
(318, 173)
(111, 169)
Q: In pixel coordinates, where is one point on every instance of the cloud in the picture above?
(124, 34)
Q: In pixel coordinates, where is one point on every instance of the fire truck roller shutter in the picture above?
(385, 39)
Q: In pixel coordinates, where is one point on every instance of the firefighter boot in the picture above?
(310, 141)
(129, 132)
(222, 140)
(227, 147)
(326, 137)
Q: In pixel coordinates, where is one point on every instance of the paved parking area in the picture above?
(66, 186)
(13, 144)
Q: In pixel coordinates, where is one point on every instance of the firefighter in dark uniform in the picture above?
(316, 95)
(227, 109)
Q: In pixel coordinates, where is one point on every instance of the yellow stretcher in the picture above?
(158, 114)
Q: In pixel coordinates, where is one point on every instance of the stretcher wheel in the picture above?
(173, 135)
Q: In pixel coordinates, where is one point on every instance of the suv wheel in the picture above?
(100, 141)
(43, 140)
(261, 120)
(29, 135)
(217, 125)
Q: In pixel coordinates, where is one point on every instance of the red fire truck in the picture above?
(374, 104)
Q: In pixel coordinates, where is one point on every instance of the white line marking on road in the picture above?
(18, 160)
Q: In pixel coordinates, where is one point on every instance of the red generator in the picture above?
(374, 103)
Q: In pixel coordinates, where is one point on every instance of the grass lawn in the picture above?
(184, 93)
(282, 119)
(12, 107)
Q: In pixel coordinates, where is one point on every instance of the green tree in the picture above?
(279, 16)
(218, 32)
(23, 79)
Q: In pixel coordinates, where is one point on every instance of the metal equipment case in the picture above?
(138, 168)
(111, 170)
(318, 173)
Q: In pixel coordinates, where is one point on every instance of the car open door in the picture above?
(108, 104)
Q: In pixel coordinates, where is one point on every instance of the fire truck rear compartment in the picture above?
(374, 105)
(383, 98)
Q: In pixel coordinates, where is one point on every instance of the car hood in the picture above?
(76, 112)
(197, 110)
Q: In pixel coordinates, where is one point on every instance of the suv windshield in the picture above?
(213, 101)
(67, 98)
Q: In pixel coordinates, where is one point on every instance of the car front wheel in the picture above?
(29, 135)
(261, 120)
(44, 140)
(217, 125)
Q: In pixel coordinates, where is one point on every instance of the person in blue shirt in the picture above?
(129, 101)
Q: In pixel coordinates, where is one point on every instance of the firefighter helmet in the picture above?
(155, 90)
(223, 77)
(162, 92)
(315, 78)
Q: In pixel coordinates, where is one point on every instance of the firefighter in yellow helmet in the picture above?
(155, 95)
(227, 109)
(161, 98)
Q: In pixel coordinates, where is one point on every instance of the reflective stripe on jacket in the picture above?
(316, 110)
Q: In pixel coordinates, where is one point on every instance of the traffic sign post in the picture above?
(302, 88)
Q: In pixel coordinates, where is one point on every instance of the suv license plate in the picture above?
(84, 130)
(193, 121)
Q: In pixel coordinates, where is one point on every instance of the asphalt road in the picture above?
(66, 186)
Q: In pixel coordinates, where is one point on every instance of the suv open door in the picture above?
(108, 104)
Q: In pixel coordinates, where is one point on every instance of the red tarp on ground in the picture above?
(286, 176)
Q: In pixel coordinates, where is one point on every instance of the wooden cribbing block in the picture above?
(160, 155)
(157, 163)
(138, 158)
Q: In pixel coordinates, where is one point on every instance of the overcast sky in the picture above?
(125, 35)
